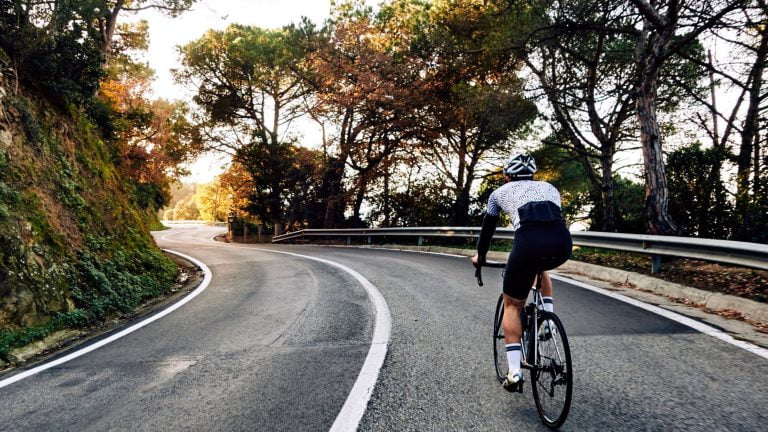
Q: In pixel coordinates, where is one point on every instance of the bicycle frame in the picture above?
(530, 336)
(531, 326)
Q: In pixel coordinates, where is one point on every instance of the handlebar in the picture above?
(478, 271)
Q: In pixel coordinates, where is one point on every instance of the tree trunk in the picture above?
(463, 180)
(656, 191)
(334, 208)
(713, 110)
(649, 58)
(108, 31)
(756, 186)
(461, 206)
(386, 198)
(335, 199)
(276, 208)
(359, 197)
(607, 197)
(749, 131)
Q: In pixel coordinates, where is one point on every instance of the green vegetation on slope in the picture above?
(74, 240)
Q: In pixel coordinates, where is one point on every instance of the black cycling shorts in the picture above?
(537, 247)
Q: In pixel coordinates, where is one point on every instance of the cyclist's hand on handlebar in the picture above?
(477, 261)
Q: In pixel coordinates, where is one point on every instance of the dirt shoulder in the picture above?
(737, 281)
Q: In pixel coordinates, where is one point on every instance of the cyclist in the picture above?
(542, 242)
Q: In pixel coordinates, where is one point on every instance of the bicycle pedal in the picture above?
(515, 388)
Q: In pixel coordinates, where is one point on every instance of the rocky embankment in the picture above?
(75, 247)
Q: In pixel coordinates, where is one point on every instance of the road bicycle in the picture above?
(545, 353)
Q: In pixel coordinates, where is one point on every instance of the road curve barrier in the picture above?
(745, 254)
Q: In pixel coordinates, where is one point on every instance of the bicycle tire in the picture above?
(499, 347)
(553, 370)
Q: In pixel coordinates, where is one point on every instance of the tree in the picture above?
(655, 45)
(582, 53)
(52, 47)
(743, 73)
(476, 102)
(153, 138)
(584, 71)
(186, 210)
(564, 170)
(248, 92)
(368, 89)
(239, 184)
(630, 213)
(106, 15)
(304, 185)
(213, 200)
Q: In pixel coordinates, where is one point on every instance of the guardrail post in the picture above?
(349, 240)
(369, 239)
(421, 240)
(656, 266)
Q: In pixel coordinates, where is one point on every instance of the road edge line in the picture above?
(674, 316)
(353, 410)
(356, 404)
(82, 351)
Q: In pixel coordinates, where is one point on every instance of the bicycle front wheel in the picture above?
(499, 348)
(553, 375)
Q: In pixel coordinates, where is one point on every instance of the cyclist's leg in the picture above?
(517, 283)
(513, 331)
(554, 246)
(513, 328)
(547, 293)
(518, 278)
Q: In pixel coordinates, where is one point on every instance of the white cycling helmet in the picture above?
(520, 166)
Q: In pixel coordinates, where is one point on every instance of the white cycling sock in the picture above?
(513, 356)
(549, 304)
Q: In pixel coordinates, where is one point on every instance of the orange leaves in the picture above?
(238, 184)
(152, 137)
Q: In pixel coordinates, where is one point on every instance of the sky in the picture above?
(166, 33)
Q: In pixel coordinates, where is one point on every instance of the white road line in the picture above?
(674, 316)
(122, 333)
(354, 408)
(357, 401)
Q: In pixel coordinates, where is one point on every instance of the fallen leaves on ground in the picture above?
(737, 281)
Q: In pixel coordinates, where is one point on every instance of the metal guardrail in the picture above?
(752, 255)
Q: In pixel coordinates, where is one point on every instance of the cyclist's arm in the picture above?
(486, 235)
(489, 227)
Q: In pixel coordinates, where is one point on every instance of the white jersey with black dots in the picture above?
(515, 194)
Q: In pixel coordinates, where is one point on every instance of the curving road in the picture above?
(276, 343)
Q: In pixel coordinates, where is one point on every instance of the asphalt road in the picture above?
(276, 342)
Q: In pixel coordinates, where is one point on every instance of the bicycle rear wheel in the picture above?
(553, 375)
(499, 348)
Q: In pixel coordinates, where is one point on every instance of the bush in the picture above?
(120, 283)
(698, 201)
(629, 198)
